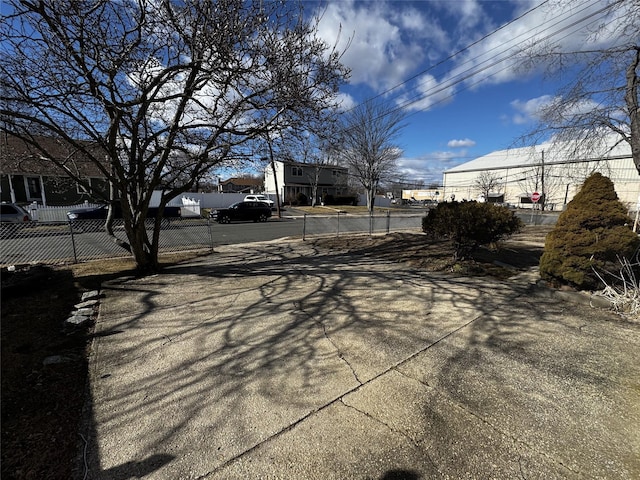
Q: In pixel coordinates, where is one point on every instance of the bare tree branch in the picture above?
(601, 95)
(368, 144)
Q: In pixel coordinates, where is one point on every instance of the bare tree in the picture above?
(164, 89)
(602, 95)
(487, 182)
(544, 179)
(317, 150)
(368, 145)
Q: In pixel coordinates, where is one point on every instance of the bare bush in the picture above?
(622, 288)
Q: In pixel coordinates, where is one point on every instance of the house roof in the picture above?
(18, 157)
(248, 181)
(559, 153)
(302, 164)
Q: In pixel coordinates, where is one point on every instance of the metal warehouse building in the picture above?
(556, 171)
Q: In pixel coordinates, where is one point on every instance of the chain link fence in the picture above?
(83, 240)
(343, 223)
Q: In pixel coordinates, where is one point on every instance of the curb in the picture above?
(540, 288)
(584, 298)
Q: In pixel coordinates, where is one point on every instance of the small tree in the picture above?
(591, 233)
(486, 183)
(470, 224)
(368, 147)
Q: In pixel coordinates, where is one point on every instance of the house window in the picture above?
(335, 173)
(34, 188)
(296, 171)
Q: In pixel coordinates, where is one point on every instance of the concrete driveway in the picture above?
(274, 360)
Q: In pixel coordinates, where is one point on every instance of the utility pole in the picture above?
(543, 193)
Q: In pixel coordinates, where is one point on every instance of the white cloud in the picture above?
(345, 101)
(569, 25)
(469, 13)
(428, 93)
(392, 41)
(386, 41)
(461, 143)
(428, 168)
(529, 110)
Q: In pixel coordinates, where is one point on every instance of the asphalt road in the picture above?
(245, 232)
(55, 243)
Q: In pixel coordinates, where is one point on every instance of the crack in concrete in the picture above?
(418, 445)
(331, 402)
(299, 308)
(489, 424)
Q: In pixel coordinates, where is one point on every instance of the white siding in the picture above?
(520, 172)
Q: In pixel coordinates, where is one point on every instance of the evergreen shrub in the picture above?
(328, 199)
(470, 224)
(591, 233)
(301, 199)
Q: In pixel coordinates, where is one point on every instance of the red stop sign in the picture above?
(535, 196)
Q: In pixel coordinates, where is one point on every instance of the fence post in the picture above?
(304, 226)
(73, 243)
(210, 234)
(388, 221)
(371, 223)
(338, 230)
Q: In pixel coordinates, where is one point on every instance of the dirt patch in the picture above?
(40, 403)
(518, 253)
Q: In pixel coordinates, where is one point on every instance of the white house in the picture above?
(554, 171)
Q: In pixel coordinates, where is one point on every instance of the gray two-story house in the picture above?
(314, 181)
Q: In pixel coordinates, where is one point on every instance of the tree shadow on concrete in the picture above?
(531, 379)
(290, 327)
(401, 475)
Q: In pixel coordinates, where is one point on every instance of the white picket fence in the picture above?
(190, 207)
(54, 214)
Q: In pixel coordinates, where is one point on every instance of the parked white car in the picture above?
(259, 198)
(12, 213)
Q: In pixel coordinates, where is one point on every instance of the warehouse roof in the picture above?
(611, 147)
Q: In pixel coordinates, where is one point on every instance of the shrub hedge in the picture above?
(470, 224)
(329, 199)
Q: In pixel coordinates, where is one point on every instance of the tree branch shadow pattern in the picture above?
(255, 340)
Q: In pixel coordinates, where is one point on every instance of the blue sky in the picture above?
(450, 63)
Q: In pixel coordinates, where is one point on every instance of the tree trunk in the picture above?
(631, 99)
(272, 161)
(371, 196)
(144, 253)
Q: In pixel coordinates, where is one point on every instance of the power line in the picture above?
(471, 72)
(453, 55)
